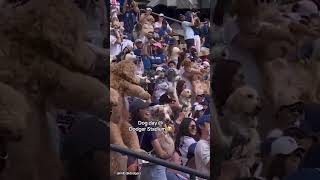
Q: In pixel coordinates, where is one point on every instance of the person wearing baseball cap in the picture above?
(159, 58)
(149, 10)
(159, 22)
(286, 157)
(144, 16)
(202, 150)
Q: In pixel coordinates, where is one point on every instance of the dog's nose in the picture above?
(258, 108)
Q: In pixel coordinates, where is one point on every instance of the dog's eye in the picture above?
(250, 96)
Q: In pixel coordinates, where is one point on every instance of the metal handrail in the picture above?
(193, 173)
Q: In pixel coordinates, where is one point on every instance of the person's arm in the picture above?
(204, 154)
(135, 7)
(192, 20)
(169, 28)
(124, 6)
(230, 170)
(159, 151)
(142, 18)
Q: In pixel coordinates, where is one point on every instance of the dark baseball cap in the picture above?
(138, 104)
(165, 99)
(204, 119)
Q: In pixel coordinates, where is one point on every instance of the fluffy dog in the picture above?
(200, 86)
(240, 119)
(185, 97)
(185, 100)
(162, 113)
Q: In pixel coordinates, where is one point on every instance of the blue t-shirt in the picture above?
(163, 32)
(146, 63)
(129, 20)
(205, 33)
(188, 31)
(137, 52)
(158, 59)
(121, 3)
(196, 31)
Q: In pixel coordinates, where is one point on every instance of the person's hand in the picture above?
(230, 170)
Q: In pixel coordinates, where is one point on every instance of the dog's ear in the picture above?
(232, 102)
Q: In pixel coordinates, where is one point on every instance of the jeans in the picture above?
(153, 172)
(190, 43)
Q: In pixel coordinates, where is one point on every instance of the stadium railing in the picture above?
(193, 173)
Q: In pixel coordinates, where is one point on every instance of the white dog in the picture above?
(185, 100)
(240, 119)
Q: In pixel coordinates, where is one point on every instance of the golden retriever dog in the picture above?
(185, 100)
(240, 119)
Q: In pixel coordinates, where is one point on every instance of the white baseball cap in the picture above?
(206, 64)
(161, 14)
(284, 145)
(159, 69)
(138, 40)
(307, 8)
(198, 107)
(149, 9)
(275, 133)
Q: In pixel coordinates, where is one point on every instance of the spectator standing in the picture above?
(187, 23)
(205, 35)
(130, 12)
(197, 33)
(145, 16)
(148, 142)
(159, 59)
(159, 22)
(202, 150)
(115, 39)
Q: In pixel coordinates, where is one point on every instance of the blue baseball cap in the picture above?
(204, 119)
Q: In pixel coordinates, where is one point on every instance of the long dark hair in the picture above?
(277, 167)
(183, 131)
(222, 77)
(180, 85)
(135, 117)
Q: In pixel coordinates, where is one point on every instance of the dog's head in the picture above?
(162, 113)
(244, 100)
(186, 93)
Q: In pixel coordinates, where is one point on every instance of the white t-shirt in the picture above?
(202, 156)
(185, 142)
(159, 25)
(125, 43)
(188, 31)
(115, 48)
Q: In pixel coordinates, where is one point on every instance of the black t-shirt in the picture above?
(145, 138)
(87, 135)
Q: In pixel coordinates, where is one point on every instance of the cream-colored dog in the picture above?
(185, 100)
(240, 119)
